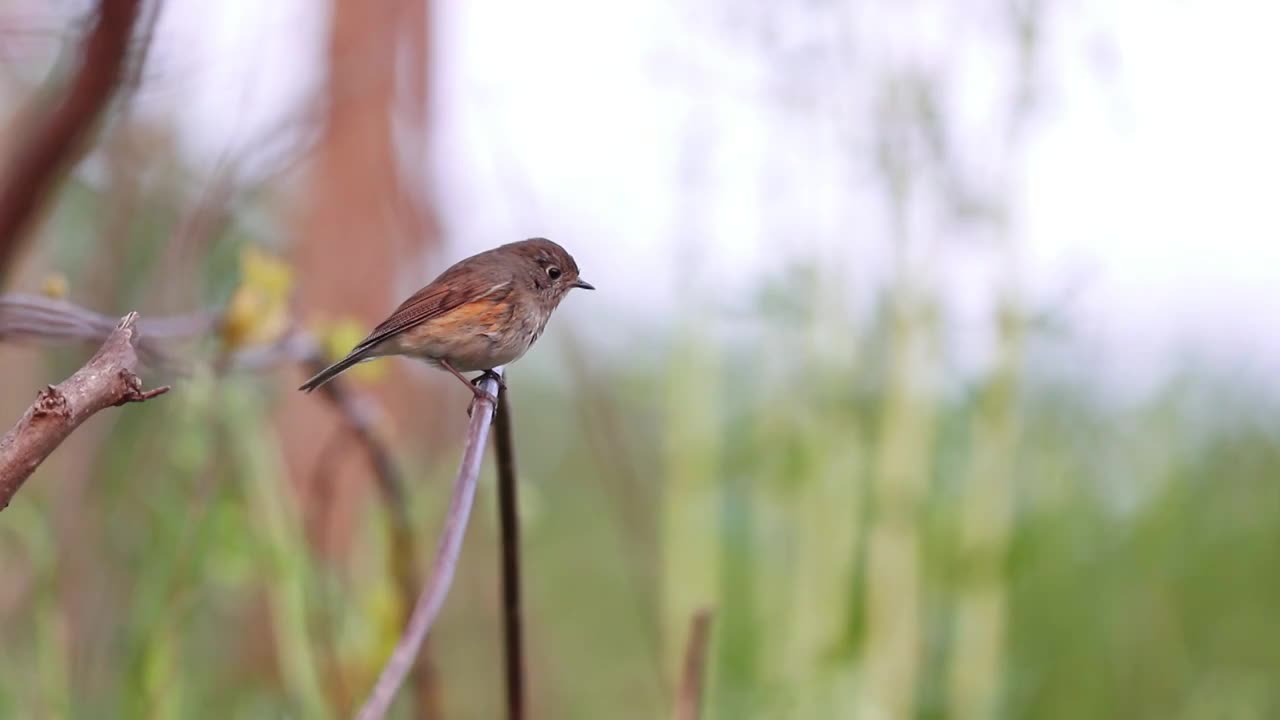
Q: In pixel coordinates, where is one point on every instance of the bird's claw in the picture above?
(487, 374)
(481, 395)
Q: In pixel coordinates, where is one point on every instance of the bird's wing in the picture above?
(445, 294)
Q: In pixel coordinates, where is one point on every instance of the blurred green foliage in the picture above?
(806, 476)
(1138, 580)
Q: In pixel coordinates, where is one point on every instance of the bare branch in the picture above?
(58, 137)
(508, 511)
(107, 380)
(361, 417)
(36, 317)
(689, 701)
(441, 578)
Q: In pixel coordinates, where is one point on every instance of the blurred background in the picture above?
(934, 349)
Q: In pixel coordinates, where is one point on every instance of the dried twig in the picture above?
(107, 380)
(36, 317)
(689, 700)
(437, 585)
(59, 136)
(508, 510)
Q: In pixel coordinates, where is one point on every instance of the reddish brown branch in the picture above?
(441, 578)
(689, 700)
(56, 140)
(107, 380)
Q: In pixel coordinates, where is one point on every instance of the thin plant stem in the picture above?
(508, 511)
(440, 578)
(693, 678)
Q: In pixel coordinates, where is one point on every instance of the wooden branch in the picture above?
(56, 140)
(441, 578)
(689, 699)
(508, 512)
(107, 380)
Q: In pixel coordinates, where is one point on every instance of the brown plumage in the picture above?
(482, 312)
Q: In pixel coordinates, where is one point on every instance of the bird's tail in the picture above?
(334, 370)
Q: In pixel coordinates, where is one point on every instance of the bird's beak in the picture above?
(584, 285)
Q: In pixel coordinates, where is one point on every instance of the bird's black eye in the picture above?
(553, 272)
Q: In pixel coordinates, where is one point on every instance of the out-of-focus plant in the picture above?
(258, 310)
(338, 337)
(55, 286)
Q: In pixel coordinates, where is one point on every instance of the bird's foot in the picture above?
(474, 385)
(487, 374)
(482, 394)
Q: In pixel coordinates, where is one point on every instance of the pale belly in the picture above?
(468, 352)
(476, 353)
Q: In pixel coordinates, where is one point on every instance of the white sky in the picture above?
(1148, 189)
(640, 133)
(1167, 189)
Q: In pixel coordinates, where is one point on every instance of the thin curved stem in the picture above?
(440, 579)
(508, 512)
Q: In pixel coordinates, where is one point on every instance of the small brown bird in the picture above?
(485, 311)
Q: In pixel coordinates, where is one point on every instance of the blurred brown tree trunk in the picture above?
(359, 226)
(362, 225)
(54, 142)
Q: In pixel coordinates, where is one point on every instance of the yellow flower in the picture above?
(338, 337)
(55, 286)
(258, 311)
